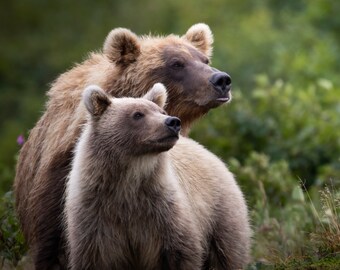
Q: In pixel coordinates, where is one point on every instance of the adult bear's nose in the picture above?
(174, 124)
(221, 82)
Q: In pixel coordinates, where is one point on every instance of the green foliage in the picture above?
(260, 178)
(293, 228)
(279, 212)
(12, 244)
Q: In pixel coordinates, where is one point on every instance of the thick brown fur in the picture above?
(130, 205)
(128, 66)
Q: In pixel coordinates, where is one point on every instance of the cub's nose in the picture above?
(174, 124)
(221, 82)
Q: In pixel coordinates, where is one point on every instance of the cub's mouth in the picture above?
(168, 139)
(163, 143)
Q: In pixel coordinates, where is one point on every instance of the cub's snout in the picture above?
(173, 124)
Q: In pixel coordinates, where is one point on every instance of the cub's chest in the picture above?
(141, 243)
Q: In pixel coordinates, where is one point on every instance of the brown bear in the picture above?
(132, 203)
(128, 66)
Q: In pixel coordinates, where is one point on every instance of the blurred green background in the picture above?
(280, 133)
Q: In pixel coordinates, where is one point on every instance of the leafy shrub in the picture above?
(12, 244)
(278, 210)
(292, 228)
(261, 178)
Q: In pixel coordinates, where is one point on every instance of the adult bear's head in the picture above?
(180, 63)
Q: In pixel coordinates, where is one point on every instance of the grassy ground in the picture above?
(280, 242)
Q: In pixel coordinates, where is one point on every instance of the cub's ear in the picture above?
(200, 36)
(121, 46)
(96, 100)
(157, 94)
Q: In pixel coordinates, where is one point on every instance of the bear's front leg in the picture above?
(183, 251)
(177, 260)
(230, 245)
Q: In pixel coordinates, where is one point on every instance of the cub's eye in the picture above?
(178, 64)
(138, 115)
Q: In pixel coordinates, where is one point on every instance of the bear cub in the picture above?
(124, 207)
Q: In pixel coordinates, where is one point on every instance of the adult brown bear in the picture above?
(128, 66)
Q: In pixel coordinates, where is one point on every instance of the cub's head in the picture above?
(181, 63)
(131, 126)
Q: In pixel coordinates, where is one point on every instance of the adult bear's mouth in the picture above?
(223, 100)
(218, 101)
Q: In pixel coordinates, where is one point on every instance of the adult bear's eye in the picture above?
(206, 61)
(138, 115)
(178, 64)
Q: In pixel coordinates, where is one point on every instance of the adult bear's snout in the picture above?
(221, 82)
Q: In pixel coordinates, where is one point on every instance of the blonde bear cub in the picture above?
(139, 196)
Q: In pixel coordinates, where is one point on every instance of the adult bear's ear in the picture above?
(157, 94)
(121, 46)
(201, 37)
(96, 100)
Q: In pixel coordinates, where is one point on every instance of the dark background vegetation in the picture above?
(279, 136)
